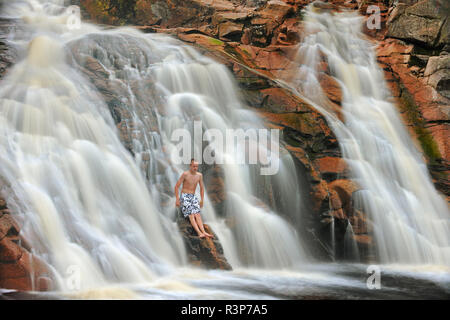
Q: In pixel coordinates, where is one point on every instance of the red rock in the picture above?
(228, 29)
(277, 100)
(338, 213)
(441, 135)
(415, 96)
(206, 253)
(20, 283)
(301, 155)
(331, 165)
(259, 20)
(344, 189)
(331, 88)
(44, 284)
(21, 267)
(363, 238)
(335, 201)
(276, 10)
(436, 113)
(220, 17)
(262, 60)
(391, 47)
(215, 186)
(8, 226)
(17, 275)
(394, 88)
(319, 194)
(9, 250)
(246, 37)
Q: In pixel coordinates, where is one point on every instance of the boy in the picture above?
(190, 206)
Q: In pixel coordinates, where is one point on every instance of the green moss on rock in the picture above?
(413, 116)
(215, 42)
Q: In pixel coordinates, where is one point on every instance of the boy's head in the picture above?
(194, 165)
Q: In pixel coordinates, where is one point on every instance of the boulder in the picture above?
(278, 100)
(438, 73)
(8, 226)
(230, 30)
(420, 23)
(19, 269)
(331, 88)
(26, 273)
(202, 252)
(437, 63)
(215, 185)
(345, 189)
(276, 10)
(331, 168)
(422, 99)
(440, 80)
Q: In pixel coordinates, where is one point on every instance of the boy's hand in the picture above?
(201, 204)
(177, 203)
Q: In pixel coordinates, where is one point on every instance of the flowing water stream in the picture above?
(91, 195)
(410, 219)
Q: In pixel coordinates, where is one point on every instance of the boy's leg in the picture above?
(194, 224)
(200, 224)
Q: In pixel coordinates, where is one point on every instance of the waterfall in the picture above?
(351, 251)
(77, 192)
(410, 218)
(198, 88)
(87, 199)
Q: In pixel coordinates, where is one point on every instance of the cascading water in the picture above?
(201, 89)
(410, 219)
(82, 198)
(78, 192)
(193, 88)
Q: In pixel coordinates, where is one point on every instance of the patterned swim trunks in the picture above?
(189, 204)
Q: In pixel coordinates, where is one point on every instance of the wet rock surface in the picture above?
(8, 54)
(19, 268)
(202, 252)
(413, 51)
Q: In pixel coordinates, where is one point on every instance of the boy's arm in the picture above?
(177, 186)
(202, 190)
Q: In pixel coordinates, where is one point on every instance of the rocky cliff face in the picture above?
(414, 52)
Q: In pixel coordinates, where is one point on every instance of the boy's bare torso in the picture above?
(190, 182)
